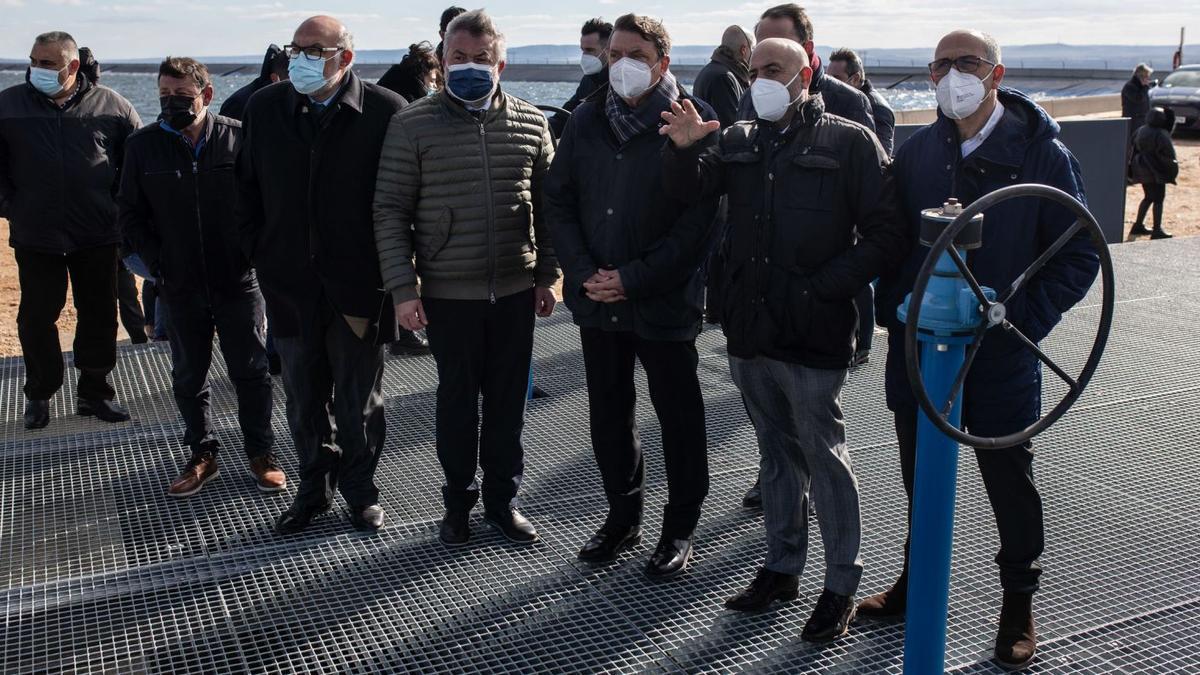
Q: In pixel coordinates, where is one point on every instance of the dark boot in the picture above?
(753, 497)
(1016, 640)
(1160, 233)
(37, 414)
(889, 605)
(830, 619)
(455, 529)
(1138, 230)
(766, 588)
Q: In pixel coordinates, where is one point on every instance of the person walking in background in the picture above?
(722, 83)
(593, 60)
(632, 257)
(1154, 166)
(274, 69)
(1135, 97)
(459, 196)
(177, 213)
(306, 176)
(62, 139)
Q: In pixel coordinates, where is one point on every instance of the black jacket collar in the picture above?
(350, 96)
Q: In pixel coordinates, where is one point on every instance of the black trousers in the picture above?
(481, 349)
(675, 392)
(1153, 195)
(130, 306)
(334, 386)
(1017, 506)
(238, 320)
(43, 279)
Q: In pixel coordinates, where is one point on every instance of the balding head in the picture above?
(736, 41)
(784, 61)
(334, 41)
(969, 42)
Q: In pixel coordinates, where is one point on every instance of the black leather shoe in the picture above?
(1160, 233)
(1138, 230)
(766, 588)
(296, 518)
(408, 343)
(830, 618)
(514, 526)
(670, 558)
(606, 544)
(366, 518)
(37, 414)
(753, 498)
(103, 410)
(455, 529)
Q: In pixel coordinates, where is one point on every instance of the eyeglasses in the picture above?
(313, 53)
(963, 64)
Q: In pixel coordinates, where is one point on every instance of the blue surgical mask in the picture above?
(308, 77)
(46, 80)
(470, 82)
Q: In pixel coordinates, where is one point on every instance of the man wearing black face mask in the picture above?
(176, 212)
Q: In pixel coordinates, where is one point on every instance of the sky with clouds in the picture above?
(151, 28)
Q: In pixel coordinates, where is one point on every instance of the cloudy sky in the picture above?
(150, 28)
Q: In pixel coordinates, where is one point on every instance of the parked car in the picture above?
(1180, 91)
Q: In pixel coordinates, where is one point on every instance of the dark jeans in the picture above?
(675, 392)
(481, 349)
(237, 320)
(334, 386)
(43, 279)
(865, 301)
(1154, 194)
(1008, 477)
(132, 316)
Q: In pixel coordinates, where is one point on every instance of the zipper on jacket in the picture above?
(62, 179)
(199, 220)
(491, 218)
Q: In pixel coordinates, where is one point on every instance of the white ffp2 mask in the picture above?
(771, 98)
(629, 78)
(959, 95)
(590, 64)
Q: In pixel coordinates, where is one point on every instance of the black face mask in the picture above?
(177, 111)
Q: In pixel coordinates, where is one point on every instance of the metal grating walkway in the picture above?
(104, 573)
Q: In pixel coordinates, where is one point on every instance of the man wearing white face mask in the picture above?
(801, 186)
(593, 60)
(988, 137)
(306, 174)
(62, 141)
(458, 203)
(632, 261)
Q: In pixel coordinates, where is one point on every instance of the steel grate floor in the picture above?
(104, 573)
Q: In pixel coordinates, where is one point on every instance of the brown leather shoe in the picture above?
(889, 605)
(267, 473)
(200, 469)
(1016, 640)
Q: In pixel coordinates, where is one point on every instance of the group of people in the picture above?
(346, 213)
(1150, 153)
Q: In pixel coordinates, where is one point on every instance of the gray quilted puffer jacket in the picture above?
(462, 194)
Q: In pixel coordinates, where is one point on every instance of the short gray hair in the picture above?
(345, 39)
(991, 48)
(854, 64)
(70, 48)
(478, 22)
(1142, 69)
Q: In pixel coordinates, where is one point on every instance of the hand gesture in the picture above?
(411, 315)
(684, 125)
(605, 286)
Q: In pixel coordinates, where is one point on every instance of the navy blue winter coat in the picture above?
(1003, 390)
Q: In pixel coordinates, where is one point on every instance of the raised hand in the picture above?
(684, 125)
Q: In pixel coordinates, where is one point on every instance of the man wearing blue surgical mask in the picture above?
(306, 173)
(458, 203)
(812, 218)
(62, 139)
(986, 137)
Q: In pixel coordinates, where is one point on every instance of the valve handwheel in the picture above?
(994, 314)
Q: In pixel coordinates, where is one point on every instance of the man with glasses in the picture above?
(987, 137)
(176, 213)
(62, 139)
(306, 177)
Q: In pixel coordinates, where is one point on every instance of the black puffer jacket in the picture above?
(1135, 102)
(59, 167)
(306, 183)
(177, 208)
(607, 209)
(1153, 152)
(789, 268)
(235, 106)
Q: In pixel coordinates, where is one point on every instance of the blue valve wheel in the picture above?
(994, 314)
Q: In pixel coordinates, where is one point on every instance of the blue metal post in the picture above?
(949, 314)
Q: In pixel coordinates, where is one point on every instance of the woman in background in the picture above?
(1154, 165)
